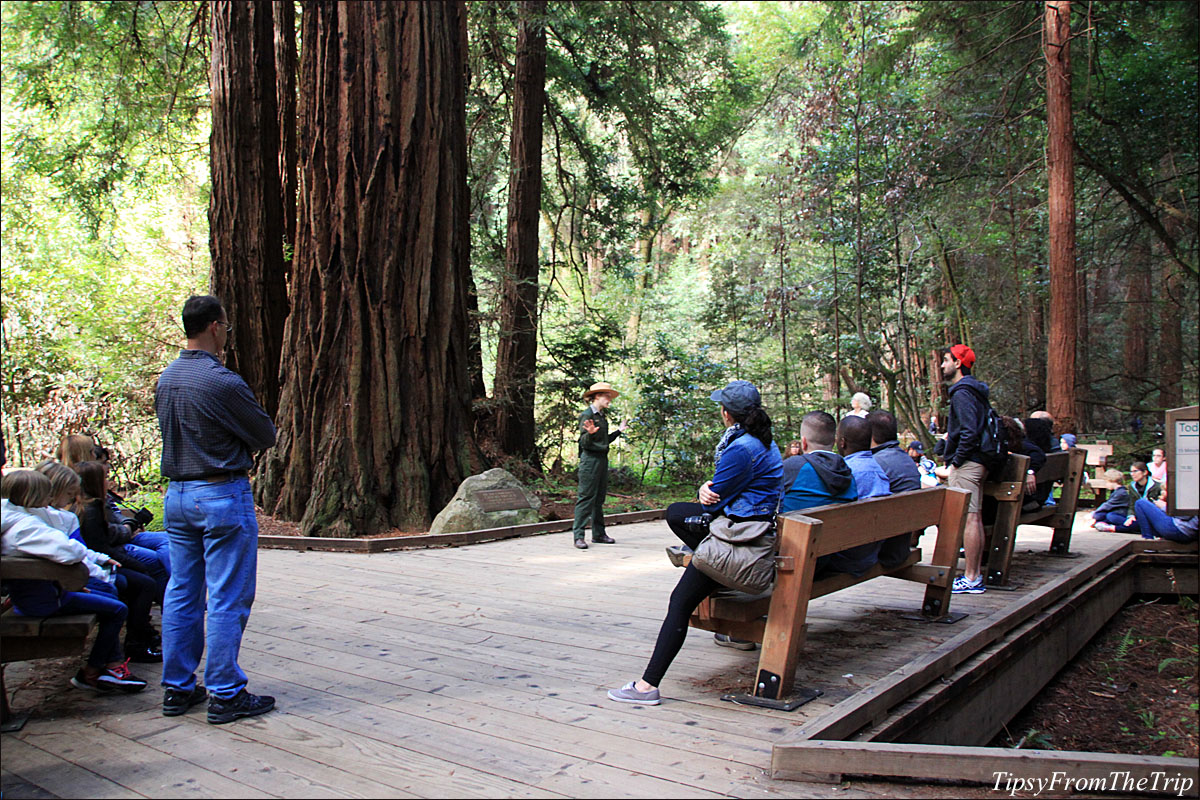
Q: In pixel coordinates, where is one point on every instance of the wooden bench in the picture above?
(25, 638)
(1065, 466)
(1097, 456)
(806, 535)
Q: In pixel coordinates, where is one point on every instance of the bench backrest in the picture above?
(1097, 454)
(852, 524)
(72, 577)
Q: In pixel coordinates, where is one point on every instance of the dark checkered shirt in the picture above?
(209, 419)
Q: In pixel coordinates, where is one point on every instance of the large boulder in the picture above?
(465, 511)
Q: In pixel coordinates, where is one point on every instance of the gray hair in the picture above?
(863, 400)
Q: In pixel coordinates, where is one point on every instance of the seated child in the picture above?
(1115, 510)
(23, 533)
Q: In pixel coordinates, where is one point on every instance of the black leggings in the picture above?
(691, 590)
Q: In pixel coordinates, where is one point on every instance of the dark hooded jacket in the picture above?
(968, 414)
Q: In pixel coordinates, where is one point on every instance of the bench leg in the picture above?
(9, 722)
(1060, 545)
(773, 684)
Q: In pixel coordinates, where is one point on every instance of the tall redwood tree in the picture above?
(246, 212)
(1060, 166)
(375, 407)
(516, 353)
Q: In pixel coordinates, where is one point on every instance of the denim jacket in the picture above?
(747, 478)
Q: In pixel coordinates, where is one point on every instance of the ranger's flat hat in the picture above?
(597, 388)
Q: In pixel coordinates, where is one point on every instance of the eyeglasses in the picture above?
(226, 325)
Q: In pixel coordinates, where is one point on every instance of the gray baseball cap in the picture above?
(738, 397)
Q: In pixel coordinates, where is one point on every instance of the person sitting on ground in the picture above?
(22, 533)
(1115, 510)
(860, 404)
(925, 466)
(903, 476)
(1141, 487)
(135, 586)
(744, 487)
(1158, 466)
(1157, 523)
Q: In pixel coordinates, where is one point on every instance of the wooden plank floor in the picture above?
(480, 672)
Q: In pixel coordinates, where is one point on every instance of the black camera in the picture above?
(143, 516)
(698, 524)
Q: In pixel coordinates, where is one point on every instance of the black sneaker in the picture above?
(603, 538)
(177, 702)
(242, 704)
(81, 681)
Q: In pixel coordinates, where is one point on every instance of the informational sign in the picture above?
(502, 499)
(1183, 461)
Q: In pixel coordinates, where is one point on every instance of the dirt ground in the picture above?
(1132, 690)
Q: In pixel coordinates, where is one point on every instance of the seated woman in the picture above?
(1141, 487)
(136, 588)
(745, 486)
(22, 533)
(1019, 442)
(151, 550)
(1156, 523)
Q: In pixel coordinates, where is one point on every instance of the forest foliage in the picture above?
(810, 196)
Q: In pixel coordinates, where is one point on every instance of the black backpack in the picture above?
(993, 442)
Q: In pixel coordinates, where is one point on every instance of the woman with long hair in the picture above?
(745, 487)
(135, 587)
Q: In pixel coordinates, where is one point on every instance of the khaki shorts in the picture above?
(970, 477)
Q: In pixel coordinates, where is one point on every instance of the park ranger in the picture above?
(594, 439)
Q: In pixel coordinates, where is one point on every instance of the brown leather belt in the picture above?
(223, 476)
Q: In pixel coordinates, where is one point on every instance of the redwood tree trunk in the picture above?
(245, 212)
(1137, 315)
(285, 93)
(375, 407)
(1060, 165)
(516, 353)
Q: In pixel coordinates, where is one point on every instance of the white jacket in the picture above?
(26, 534)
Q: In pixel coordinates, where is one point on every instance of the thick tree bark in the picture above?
(1137, 314)
(516, 353)
(245, 212)
(376, 401)
(1060, 166)
(285, 93)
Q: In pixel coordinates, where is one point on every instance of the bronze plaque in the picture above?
(502, 499)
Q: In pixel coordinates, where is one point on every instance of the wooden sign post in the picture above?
(1183, 461)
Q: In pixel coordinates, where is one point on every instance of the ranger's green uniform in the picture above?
(593, 474)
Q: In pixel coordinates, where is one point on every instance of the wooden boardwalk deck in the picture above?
(480, 672)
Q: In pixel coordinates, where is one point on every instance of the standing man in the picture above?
(210, 424)
(594, 439)
(964, 433)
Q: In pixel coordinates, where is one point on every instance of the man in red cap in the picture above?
(967, 465)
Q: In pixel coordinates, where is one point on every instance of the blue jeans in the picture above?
(1156, 522)
(214, 549)
(1117, 520)
(153, 551)
(43, 599)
